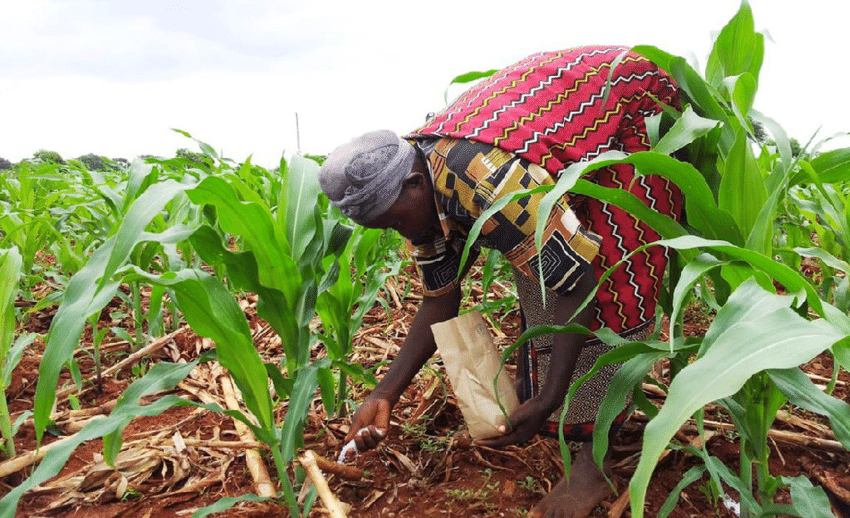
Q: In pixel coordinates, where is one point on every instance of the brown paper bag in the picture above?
(472, 363)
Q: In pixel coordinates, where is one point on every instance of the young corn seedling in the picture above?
(342, 306)
(10, 269)
(282, 261)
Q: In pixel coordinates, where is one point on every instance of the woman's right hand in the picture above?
(370, 423)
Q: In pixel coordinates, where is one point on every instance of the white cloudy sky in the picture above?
(111, 77)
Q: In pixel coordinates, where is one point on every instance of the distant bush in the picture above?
(197, 158)
(5, 164)
(50, 157)
(94, 162)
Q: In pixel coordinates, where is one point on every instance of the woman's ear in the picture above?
(416, 181)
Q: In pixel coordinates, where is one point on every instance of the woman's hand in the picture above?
(525, 422)
(370, 423)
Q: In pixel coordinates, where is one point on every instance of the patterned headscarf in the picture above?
(364, 176)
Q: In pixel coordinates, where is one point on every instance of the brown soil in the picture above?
(426, 467)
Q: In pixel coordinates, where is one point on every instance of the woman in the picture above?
(520, 128)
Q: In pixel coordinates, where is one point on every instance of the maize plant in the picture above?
(259, 232)
(734, 189)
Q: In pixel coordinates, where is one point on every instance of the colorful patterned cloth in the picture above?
(554, 109)
(468, 177)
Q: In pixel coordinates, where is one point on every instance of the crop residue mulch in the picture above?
(187, 458)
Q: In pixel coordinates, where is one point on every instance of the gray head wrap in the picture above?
(364, 177)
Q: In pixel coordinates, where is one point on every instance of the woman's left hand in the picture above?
(525, 422)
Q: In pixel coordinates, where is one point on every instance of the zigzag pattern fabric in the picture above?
(559, 108)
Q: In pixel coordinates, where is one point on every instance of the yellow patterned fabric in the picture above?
(468, 178)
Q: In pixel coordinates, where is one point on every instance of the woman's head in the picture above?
(378, 181)
(364, 176)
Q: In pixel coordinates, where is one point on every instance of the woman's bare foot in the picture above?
(576, 497)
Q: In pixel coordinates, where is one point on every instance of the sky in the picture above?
(113, 77)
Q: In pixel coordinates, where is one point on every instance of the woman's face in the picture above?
(414, 213)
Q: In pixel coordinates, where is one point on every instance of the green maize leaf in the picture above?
(13, 355)
(841, 353)
(214, 313)
(133, 224)
(182, 132)
(544, 329)
(653, 128)
(685, 130)
(663, 224)
(207, 150)
(343, 288)
(701, 211)
(52, 464)
(367, 242)
(334, 315)
(282, 386)
(689, 80)
(161, 376)
(303, 392)
(310, 259)
(808, 500)
(793, 281)
(10, 270)
(742, 190)
(778, 340)
(253, 222)
(743, 93)
(832, 166)
(357, 371)
(325, 378)
(690, 476)
(635, 352)
(624, 381)
(244, 191)
(139, 172)
(802, 392)
(644, 404)
(828, 259)
(737, 49)
(761, 237)
(223, 504)
(89, 290)
(699, 202)
(171, 235)
(747, 421)
(301, 192)
(693, 271)
(735, 273)
(467, 78)
(780, 138)
(720, 472)
(338, 235)
(243, 272)
(331, 276)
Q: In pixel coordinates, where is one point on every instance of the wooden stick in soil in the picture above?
(130, 360)
(256, 466)
(797, 439)
(332, 504)
(345, 472)
(620, 505)
(29, 458)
